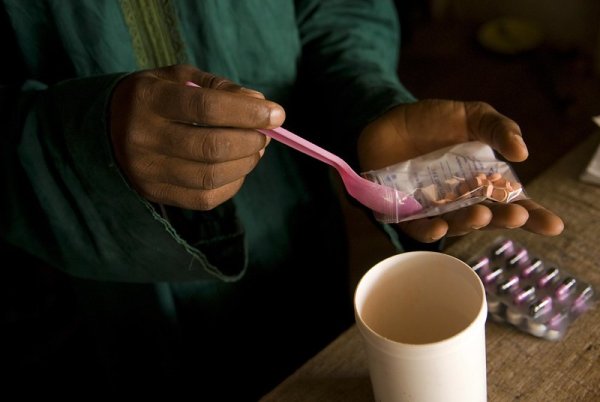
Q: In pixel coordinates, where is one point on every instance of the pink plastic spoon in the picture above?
(382, 199)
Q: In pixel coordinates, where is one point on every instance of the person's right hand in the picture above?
(186, 146)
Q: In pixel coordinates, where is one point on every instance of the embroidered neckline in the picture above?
(153, 26)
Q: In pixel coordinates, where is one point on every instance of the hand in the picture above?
(184, 146)
(411, 130)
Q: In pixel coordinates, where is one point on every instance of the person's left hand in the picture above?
(412, 130)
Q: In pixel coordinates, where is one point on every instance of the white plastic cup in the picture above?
(422, 316)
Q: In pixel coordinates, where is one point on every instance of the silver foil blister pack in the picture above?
(530, 292)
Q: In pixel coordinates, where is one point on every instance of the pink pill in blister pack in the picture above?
(533, 294)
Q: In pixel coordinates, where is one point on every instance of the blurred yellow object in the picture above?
(510, 35)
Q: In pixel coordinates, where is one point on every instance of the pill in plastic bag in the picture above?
(450, 178)
(532, 293)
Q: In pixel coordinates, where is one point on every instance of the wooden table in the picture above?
(520, 367)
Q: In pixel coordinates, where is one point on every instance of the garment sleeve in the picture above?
(348, 69)
(64, 199)
(67, 202)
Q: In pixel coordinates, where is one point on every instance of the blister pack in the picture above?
(449, 179)
(533, 294)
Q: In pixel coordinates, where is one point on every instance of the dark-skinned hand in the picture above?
(185, 146)
(411, 130)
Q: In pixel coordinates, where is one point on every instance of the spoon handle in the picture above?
(300, 144)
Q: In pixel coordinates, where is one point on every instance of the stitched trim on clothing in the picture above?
(153, 26)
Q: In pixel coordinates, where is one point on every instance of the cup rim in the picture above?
(384, 342)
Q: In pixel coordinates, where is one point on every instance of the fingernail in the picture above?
(276, 117)
(434, 238)
(252, 92)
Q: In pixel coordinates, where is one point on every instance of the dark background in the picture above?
(552, 91)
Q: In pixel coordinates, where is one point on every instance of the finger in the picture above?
(501, 133)
(181, 73)
(425, 230)
(199, 80)
(193, 199)
(194, 175)
(541, 220)
(507, 216)
(200, 144)
(213, 107)
(467, 219)
(250, 92)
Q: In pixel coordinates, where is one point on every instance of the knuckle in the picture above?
(479, 106)
(214, 147)
(207, 177)
(217, 82)
(211, 199)
(201, 106)
(143, 88)
(145, 166)
(137, 138)
(207, 201)
(151, 193)
(177, 72)
(182, 70)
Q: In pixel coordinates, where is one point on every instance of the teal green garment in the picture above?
(73, 52)
(272, 257)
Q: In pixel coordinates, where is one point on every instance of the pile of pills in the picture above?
(534, 295)
(492, 186)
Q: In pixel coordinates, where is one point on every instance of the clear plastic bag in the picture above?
(449, 179)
